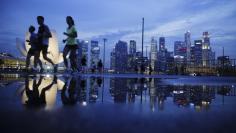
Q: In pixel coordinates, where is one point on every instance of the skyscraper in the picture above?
(187, 40)
(153, 53)
(113, 59)
(162, 44)
(198, 52)
(132, 47)
(121, 56)
(180, 49)
(82, 51)
(94, 53)
(206, 49)
(161, 62)
(212, 58)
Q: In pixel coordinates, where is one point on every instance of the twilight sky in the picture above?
(121, 20)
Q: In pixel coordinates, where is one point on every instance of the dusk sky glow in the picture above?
(121, 20)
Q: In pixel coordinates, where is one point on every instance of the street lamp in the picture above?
(142, 62)
(104, 40)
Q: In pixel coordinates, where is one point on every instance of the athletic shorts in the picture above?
(31, 51)
(72, 46)
(44, 49)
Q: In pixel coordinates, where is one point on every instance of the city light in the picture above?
(118, 66)
(84, 103)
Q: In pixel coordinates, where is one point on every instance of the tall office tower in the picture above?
(82, 51)
(187, 40)
(198, 52)
(170, 61)
(153, 53)
(113, 59)
(94, 53)
(192, 58)
(161, 63)
(162, 44)
(206, 49)
(212, 58)
(132, 47)
(118, 89)
(121, 56)
(180, 49)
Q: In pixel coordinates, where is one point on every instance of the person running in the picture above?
(34, 50)
(44, 34)
(71, 45)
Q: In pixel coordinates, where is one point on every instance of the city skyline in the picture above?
(118, 66)
(122, 21)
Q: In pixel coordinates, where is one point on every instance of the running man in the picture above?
(44, 34)
(34, 50)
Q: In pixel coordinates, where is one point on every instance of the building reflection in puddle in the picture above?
(41, 92)
(198, 97)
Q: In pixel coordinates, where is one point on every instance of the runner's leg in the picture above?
(65, 53)
(45, 52)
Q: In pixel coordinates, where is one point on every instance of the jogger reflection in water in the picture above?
(73, 89)
(35, 98)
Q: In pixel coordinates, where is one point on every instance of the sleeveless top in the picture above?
(71, 40)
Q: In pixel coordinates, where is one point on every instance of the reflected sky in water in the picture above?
(135, 104)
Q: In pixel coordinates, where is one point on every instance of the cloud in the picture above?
(208, 19)
(121, 19)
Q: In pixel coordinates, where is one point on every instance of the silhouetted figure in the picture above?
(150, 69)
(142, 68)
(100, 65)
(99, 82)
(71, 44)
(93, 67)
(43, 36)
(34, 49)
(71, 88)
(83, 62)
(176, 70)
(182, 70)
(34, 98)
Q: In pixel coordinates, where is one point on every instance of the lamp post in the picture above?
(104, 42)
(142, 34)
(142, 65)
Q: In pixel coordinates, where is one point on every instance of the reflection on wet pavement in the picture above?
(120, 100)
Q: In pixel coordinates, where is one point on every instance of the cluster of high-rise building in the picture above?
(88, 54)
(122, 61)
(186, 54)
(195, 54)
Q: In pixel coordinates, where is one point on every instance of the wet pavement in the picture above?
(117, 103)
